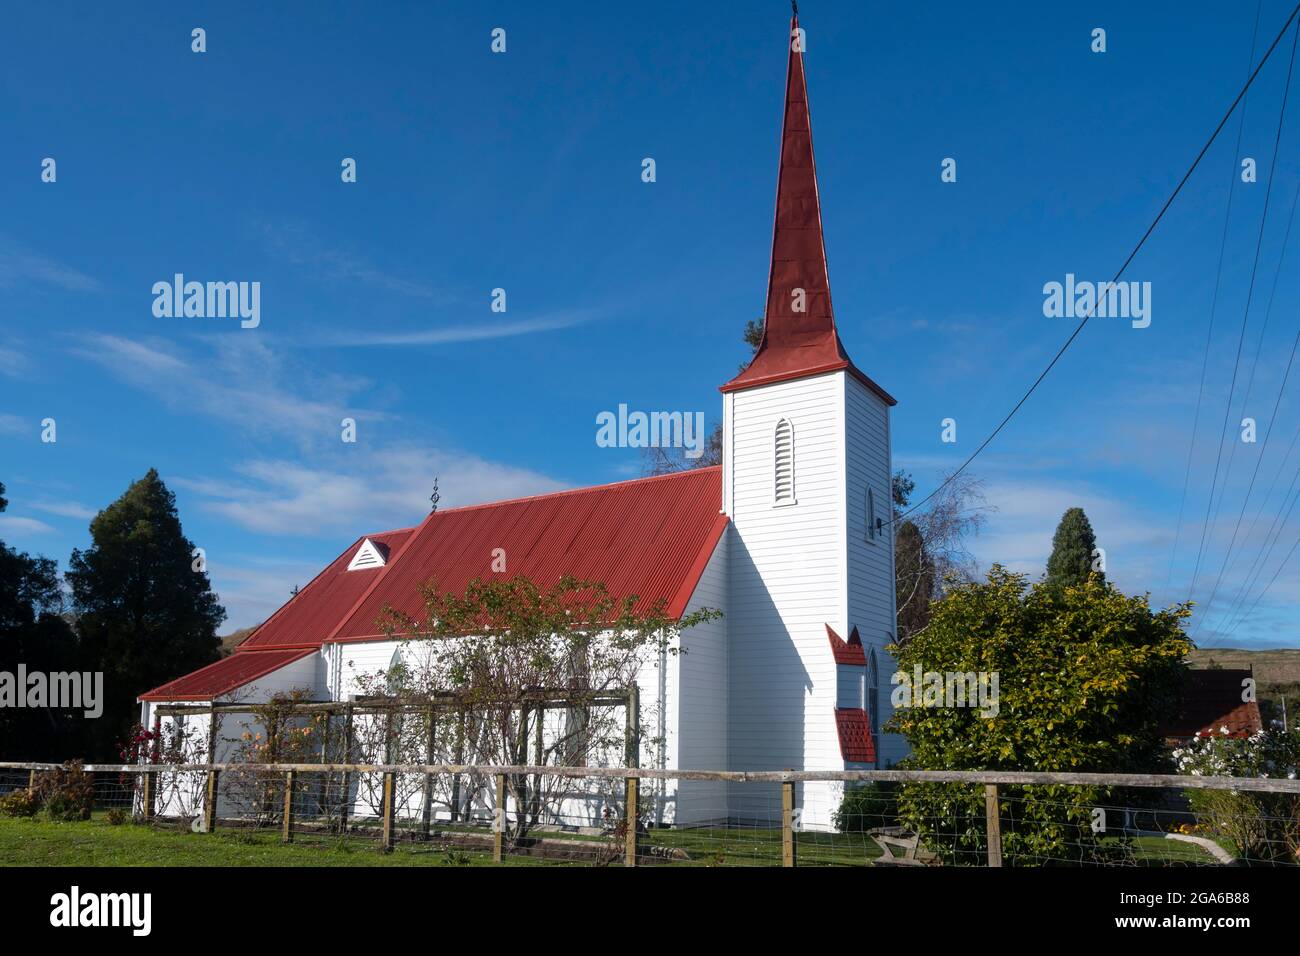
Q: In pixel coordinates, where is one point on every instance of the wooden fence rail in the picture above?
(992, 782)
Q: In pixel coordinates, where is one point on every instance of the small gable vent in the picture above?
(784, 462)
(369, 555)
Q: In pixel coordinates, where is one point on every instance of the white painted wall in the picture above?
(871, 563)
(701, 706)
(786, 574)
(794, 569)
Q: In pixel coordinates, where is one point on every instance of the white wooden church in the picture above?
(789, 537)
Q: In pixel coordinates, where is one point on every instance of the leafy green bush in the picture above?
(867, 806)
(20, 803)
(1264, 827)
(67, 793)
(1086, 675)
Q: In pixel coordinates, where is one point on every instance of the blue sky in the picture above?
(522, 171)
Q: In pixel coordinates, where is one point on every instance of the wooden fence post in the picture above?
(146, 797)
(631, 815)
(286, 825)
(210, 802)
(427, 812)
(345, 797)
(459, 759)
(787, 824)
(499, 820)
(993, 820)
(390, 796)
(31, 780)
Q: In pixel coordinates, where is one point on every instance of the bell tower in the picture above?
(806, 483)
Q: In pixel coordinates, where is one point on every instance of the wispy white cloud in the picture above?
(13, 425)
(16, 524)
(18, 266)
(377, 491)
(241, 382)
(12, 363)
(446, 335)
(65, 509)
(298, 244)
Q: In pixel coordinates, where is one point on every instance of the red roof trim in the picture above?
(275, 658)
(678, 605)
(735, 385)
(847, 652)
(854, 727)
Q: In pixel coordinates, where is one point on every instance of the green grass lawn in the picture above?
(98, 843)
(36, 842)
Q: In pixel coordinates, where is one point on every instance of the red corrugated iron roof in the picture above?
(798, 343)
(1211, 701)
(316, 610)
(226, 674)
(847, 652)
(856, 743)
(650, 537)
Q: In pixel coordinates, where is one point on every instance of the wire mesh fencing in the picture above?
(463, 815)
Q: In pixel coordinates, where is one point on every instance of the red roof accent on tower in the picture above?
(856, 743)
(847, 652)
(798, 343)
(650, 537)
(226, 674)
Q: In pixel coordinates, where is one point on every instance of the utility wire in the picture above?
(1277, 402)
(1245, 317)
(1214, 305)
(1122, 269)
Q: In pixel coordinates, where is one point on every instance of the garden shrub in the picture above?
(864, 807)
(67, 793)
(20, 803)
(1264, 827)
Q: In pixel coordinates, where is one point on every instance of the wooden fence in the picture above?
(992, 782)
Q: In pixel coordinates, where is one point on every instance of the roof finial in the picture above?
(794, 6)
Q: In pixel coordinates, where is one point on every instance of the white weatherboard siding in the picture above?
(786, 572)
(871, 562)
(701, 706)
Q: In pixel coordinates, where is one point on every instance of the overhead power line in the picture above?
(1118, 275)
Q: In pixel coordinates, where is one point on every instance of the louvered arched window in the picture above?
(784, 460)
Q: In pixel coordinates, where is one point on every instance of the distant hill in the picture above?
(232, 640)
(1277, 675)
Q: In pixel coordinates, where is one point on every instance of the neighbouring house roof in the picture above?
(226, 674)
(798, 343)
(650, 537)
(856, 743)
(1211, 701)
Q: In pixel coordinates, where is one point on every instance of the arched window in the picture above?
(871, 514)
(784, 463)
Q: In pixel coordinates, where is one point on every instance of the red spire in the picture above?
(799, 335)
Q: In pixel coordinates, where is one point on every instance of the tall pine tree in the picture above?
(1073, 548)
(144, 613)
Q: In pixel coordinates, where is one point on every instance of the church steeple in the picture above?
(799, 334)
